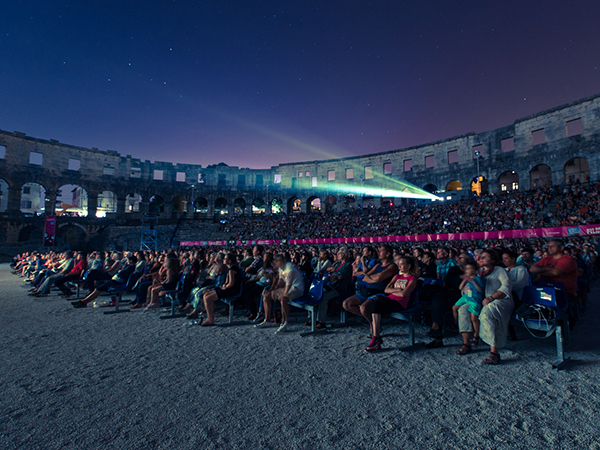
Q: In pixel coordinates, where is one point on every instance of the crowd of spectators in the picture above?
(548, 207)
(367, 282)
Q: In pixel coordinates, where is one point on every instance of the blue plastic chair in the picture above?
(408, 316)
(172, 296)
(310, 302)
(79, 282)
(230, 301)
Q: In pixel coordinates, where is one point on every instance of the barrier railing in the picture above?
(581, 230)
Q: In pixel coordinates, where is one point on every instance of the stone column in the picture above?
(121, 207)
(14, 201)
(92, 207)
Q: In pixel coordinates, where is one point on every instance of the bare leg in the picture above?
(209, 303)
(285, 309)
(475, 321)
(154, 295)
(365, 310)
(376, 324)
(91, 296)
(466, 338)
(455, 313)
(352, 305)
(268, 305)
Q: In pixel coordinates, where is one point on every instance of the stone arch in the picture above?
(454, 185)
(349, 201)
(4, 187)
(239, 206)
(540, 176)
(157, 204)
(432, 188)
(294, 205)
(201, 205)
(72, 235)
(221, 206)
(179, 204)
(132, 203)
(577, 170)
(276, 205)
(33, 199)
(107, 203)
(71, 200)
(30, 233)
(258, 206)
(313, 204)
(479, 185)
(508, 181)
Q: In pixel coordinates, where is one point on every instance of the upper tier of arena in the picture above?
(560, 145)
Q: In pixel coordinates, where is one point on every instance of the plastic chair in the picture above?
(310, 302)
(79, 282)
(408, 316)
(172, 295)
(230, 301)
(547, 296)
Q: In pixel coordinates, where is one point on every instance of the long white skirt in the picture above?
(493, 321)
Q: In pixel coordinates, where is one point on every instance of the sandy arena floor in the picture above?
(83, 380)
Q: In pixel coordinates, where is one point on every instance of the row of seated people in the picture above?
(369, 286)
(575, 205)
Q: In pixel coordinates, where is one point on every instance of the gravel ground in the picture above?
(76, 378)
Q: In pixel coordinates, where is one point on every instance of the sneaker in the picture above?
(283, 328)
(259, 318)
(374, 345)
(265, 324)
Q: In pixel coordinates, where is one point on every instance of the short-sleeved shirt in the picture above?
(292, 277)
(565, 263)
(470, 289)
(443, 268)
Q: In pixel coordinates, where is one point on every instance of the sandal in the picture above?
(493, 359)
(207, 324)
(464, 349)
(475, 341)
(321, 325)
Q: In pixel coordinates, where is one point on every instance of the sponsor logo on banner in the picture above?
(591, 229)
(573, 231)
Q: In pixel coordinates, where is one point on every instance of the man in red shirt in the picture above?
(558, 267)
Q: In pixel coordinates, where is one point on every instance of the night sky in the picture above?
(257, 83)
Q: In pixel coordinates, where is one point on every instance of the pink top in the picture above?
(400, 282)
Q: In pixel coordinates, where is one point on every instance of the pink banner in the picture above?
(50, 231)
(582, 230)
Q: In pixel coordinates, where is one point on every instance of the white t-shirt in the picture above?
(292, 277)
